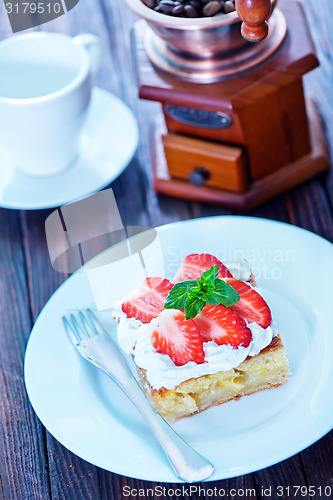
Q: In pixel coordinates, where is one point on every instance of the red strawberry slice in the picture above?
(223, 326)
(177, 337)
(251, 305)
(194, 265)
(147, 300)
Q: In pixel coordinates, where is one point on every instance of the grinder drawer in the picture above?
(205, 163)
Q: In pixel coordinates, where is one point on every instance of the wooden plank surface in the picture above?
(32, 463)
(23, 452)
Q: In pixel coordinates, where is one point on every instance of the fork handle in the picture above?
(186, 462)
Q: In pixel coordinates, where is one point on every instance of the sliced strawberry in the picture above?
(223, 326)
(147, 300)
(194, 265)
(251, 306)
(177, 337)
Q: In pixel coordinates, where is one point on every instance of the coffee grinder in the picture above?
(236, 129)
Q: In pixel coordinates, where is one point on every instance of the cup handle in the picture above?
(92, 45)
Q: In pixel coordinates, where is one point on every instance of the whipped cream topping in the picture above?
(162, 372)
(129, 329)
(240, 269)
(135, 337)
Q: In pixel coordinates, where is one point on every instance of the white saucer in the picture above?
(108, 143)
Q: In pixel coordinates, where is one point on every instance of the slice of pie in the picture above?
(222, 352)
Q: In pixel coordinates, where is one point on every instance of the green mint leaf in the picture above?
(193, 304)
(227, 294)
(193, 295)
(178, 294)
(211, 297)
(208, 277)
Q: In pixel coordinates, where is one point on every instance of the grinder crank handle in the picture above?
(254, 14)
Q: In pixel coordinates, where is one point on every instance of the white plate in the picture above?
(89, 415)
(108, 143)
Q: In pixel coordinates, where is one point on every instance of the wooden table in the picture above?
(33, 465)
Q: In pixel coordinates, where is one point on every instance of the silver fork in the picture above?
(89, 337)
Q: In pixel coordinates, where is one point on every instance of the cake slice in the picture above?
(265, 370)
(188, 364)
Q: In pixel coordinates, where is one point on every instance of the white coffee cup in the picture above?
(45, 89)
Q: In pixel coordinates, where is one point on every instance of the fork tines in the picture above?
(81, 326)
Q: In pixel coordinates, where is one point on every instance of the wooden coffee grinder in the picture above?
(237, 129)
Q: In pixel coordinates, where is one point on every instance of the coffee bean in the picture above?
(150, 3)
(166, 5)
(212, 8)
(178, 10)
(190, 11)
(229, 7)
(196, 4)
(191, 8)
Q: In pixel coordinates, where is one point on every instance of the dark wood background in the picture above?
(33, 465)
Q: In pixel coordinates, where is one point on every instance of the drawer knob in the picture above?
(199, 176)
